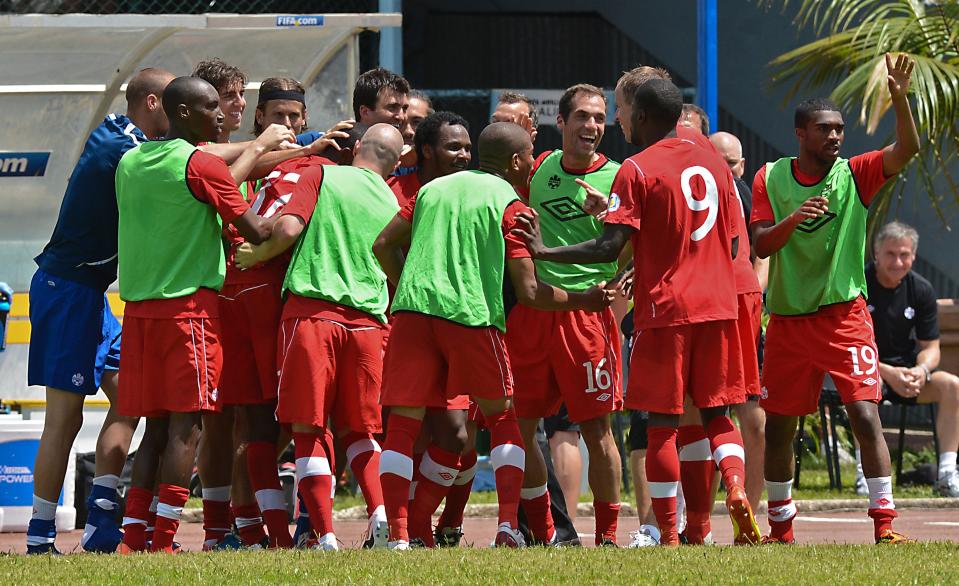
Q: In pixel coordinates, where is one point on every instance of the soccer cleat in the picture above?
(327, 543)
(642, 538)
(506, 536)
(46, 548)
(448, 536)
(947, 486)
(377, 534)
(745, 529)
(305, 541)
(607, 542)
(892, 537)
(862, 489)
(400, 545)
(770, 540)
(229, 542)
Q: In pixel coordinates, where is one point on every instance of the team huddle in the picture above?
(365, 294)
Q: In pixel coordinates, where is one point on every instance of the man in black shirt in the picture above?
(905, 315)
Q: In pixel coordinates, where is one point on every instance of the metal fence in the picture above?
(184, 6)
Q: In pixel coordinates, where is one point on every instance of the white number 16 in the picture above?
(709, 202)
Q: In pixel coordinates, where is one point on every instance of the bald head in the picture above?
(186, 91)
(506, 149)
(731, 149)
(379, 149)
(150, 81)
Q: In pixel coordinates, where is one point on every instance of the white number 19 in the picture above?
(709, 202)
(868, 356)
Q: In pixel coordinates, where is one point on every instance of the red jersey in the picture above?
(404, 187)
(274, 192)
(746, 279)
(678, 195)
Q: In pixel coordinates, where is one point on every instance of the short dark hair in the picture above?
(427, 133)
(219, 74)
(805, 109)
(369, 85)
(516, 98)
(661, 100)
(276, 84)
(420, 95)
(566, 102)
(703, 118)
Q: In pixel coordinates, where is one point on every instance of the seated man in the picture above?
(903, 307)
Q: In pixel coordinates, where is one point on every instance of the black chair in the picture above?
(903, 413)
(830, 401)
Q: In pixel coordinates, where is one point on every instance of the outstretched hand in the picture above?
(327, 141)
(527, 228)
(898, 75)
(597, 202)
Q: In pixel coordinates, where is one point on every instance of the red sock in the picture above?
(662, 472)
(330, 448)
(417, 475)
(438, 470)
(249, 524)
(363, 458)
(261, 464)
(535, 501)
(607, 519)
(216, 513)
(459, 494)
(780, 517)
(314, 471)
(152, 518)
(696, 469)
(396, 472)
(169, 510)
(727, 446)
(509, 461)
(135, 518)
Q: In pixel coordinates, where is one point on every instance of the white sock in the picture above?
(947, 464)
(859, 473)
(779, 491)
(880, 493)
(44, 509)
(111, 481)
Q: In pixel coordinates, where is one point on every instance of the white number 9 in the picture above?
(710, 201)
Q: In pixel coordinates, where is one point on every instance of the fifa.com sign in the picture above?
(23, 164)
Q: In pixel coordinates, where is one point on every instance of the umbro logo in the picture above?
(870, 381)
(604, 397)
(812, 224)
(553, 182)
(564, 209)
(447, 476)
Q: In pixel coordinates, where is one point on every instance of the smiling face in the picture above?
(452, 152)
(584, 127)
(233, 104)
(822, 136)
(894, 259)
(391, 108)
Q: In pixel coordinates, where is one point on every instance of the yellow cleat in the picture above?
(892, 537)
(745, 529)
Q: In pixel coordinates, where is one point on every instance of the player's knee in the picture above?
(595, 431)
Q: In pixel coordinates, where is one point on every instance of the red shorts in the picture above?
(567, 357)
(700, 360)
(170, 365)
(748, 324)
(800, 351)
(330, 371)
(431, 360)
(250, 318)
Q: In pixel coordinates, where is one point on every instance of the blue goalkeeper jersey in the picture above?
(83, 247)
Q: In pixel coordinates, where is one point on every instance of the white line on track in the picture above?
(943, 523)
(830, 520)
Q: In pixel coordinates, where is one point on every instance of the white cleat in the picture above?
(377, 531)
(647, 536)
(327, 543)
(947, 486)
(401, 545)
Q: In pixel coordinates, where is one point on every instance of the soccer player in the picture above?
(420, 107)
(381, 96)
(230, 83)
(442, 147)
(674, 200)
(516, 108)
(809, 216)
(570, 357)
(330, 351)
(171, 198)
(447, 336)
(75, 345)
(695, 117)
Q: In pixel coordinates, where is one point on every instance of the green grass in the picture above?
(927, 563)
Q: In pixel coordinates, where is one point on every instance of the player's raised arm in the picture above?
(389, 245)
(605, 248)
(897, 155)
(269, 139)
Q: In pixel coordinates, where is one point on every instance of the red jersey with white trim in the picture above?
(274, 192)
(678, 196)
(746, 279)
